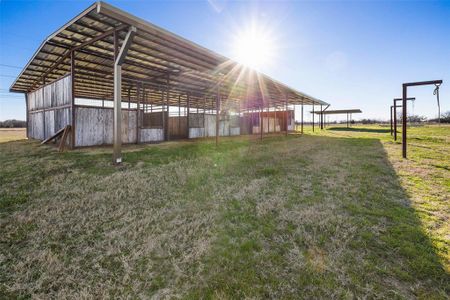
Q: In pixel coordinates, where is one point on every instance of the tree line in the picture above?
(13, 123)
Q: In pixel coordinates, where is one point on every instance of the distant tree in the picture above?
(13, 124)
(416, 119)
(370, 121)
(445, 117)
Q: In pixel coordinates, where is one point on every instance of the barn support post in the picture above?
(138, 112)
(204, 115)
(118, 61)
(321, 117)
(301, 126)
(72, 102)
(260, 122)
(188, 108)
(347, 120)
(179, 114)
(313, 117)
(275, 120)
(217, 114)
(287, 114)
(166, 123)
(27, 116)
(129, 98)
(43, 111)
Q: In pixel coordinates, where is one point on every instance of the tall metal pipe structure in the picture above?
(404, 108)
(395, 113)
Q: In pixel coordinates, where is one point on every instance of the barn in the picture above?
(108, 77)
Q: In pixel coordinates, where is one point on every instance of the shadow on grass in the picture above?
(359, 129)
(388, 255)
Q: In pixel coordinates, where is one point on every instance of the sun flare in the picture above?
(253, 47)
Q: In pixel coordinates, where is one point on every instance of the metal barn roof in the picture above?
(156, 59)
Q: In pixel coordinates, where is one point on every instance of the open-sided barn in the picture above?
(115, 78)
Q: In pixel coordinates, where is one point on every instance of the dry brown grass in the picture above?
(12, 134)
(296, 217)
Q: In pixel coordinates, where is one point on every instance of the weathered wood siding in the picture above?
(94, 126)
(151, 135)
(49, 108)
(178, 127)
(227, 127)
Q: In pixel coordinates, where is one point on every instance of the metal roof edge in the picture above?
(83, 13)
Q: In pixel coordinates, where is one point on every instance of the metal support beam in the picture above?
(404, 112)
(217, 115)
(260, 123)
(27, 115)
(167, 122)
(138, 114)
(313, 117)
(72, 93)
(89, 42)
(395, 113)
(117, 135)
(302, 120)
(286, 105)
(188, 108)
(321, 117)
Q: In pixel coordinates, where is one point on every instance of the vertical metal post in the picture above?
(204, 114)
(313, 117)
(275, 121)
(179, 114)
(43, 111)
(138, 113)
(72, 93)
(321, 117)
(117, 155)
(217, 114)
(118, 60)
(27, 115)
(404, 112)
(286, 105)
(347, 120)
(168, 107)
(129, 97)
(395, 120)
(302, 119)
(188, 108)
(260, 123)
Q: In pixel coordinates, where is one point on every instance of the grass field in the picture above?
(331, 214)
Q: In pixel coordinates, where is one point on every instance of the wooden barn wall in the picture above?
(148, 135)
(49, 108)
(178, 127)
(271, 122)
(94, 126)
(227, 127)
(246, 124)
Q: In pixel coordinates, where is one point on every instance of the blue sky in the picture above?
(351, 54)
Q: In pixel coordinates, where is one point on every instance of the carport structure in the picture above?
(114, 78)
(347, 112)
